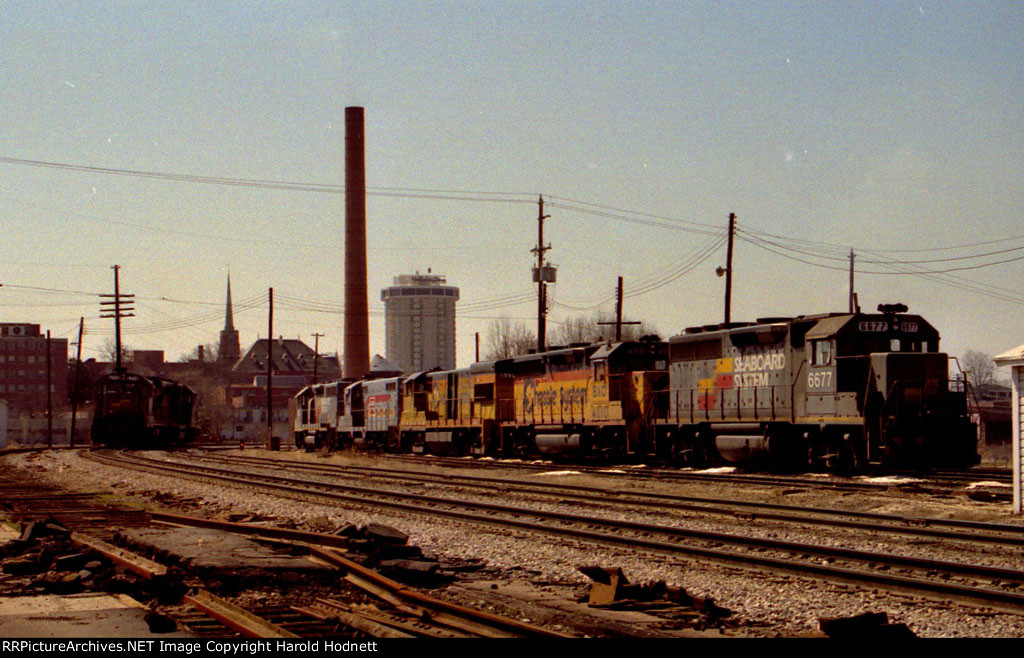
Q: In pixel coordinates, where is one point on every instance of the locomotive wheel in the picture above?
(842, 459)
(688, 450)
(611, 445)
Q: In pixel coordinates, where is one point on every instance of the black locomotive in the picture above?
(135, 411)
(842, 390)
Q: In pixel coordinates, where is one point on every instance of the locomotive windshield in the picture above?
(860, 335)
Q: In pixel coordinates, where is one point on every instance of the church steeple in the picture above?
(229, 320)
(230, 348)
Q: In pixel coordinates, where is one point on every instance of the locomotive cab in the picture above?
(882, 378)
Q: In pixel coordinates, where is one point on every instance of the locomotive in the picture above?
(839, 390)
(843, 391)
(135, 411)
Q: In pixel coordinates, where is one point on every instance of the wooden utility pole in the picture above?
(74, 384)
(853, 304)
(477, 359)
(49, 396)
(728, 269)
(270, 370)
(540, 277)
(316, 355)
(618, 313)
(121, 307)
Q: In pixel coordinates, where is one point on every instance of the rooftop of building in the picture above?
(428, 279)
(290, 355)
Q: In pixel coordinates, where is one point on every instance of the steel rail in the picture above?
(450, 614)
(145, 568)
(766, 480)
(907, 525)
(1008, 601)
(237, 619)
(287, 483)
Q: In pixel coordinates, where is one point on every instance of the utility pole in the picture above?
(74, 384)
(618, 313)
(728, 269)
(49, 396)
(316, 355)
(477, 359)
(540, 276)
(121, 307)
(853, 303)
(270, 371)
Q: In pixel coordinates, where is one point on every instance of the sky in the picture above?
(154, 136)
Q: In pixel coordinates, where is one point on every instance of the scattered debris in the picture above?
(611, 590)
(48, 558)
(989, 496)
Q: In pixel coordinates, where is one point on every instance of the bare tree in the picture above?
(507, 338)
(213, 411)
(109, 351)
(210, 352)
(584, 329)
(980, 368)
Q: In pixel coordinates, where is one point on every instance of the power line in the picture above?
(295, 186)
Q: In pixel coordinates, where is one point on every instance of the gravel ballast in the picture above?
(763, 604)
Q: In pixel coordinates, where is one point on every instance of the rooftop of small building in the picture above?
(1014, 357)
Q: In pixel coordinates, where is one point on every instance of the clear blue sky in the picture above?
(893, 128)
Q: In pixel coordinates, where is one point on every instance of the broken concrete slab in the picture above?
(385, 534)
(216, 552)
(75, 616)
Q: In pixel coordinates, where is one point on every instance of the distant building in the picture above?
(994, 419)
(292, 368)
(419, 316)
(291, 357)
(23, 369)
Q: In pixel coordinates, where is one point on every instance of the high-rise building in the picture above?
(230, 349)
(23, 368)
(419, 315)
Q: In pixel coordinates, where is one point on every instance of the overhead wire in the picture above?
(801, 250)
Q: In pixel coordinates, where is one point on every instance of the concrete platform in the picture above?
(217, 553)
(90, 615)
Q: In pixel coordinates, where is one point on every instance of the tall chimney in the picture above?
(357, 319)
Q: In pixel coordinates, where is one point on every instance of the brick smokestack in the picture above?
(357, 319)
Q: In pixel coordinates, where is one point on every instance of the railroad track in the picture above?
(911, 481)
(934, 528)
(921, 577)
(402, 611)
